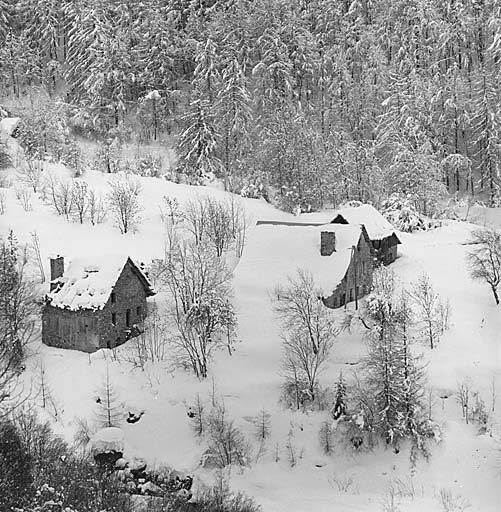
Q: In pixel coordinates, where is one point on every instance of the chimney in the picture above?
(56, 270)
(327, 243)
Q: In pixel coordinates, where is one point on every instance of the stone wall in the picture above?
(357, 281)
(129, 295)
(76, 330)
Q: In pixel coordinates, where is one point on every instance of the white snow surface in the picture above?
(9, 124)
(281, 250)
(87, 282)
(376, 225)
(107, 440)
(465, 464)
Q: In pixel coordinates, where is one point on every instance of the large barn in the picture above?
(92, 306)
(340, 258)
(381, 233)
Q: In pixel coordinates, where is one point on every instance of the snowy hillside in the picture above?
(463, 469)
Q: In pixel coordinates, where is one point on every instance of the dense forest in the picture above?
(313, 101)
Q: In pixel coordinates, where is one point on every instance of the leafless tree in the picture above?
(80, 193)
(198, 283)
(484, 261)
(96, 208)
(151, 344)
(123, 202)
(220, 223)
(308, 331)
(109, 411)
(3, 202)
(31, 174)
(18, 311)
(24, 195)
(59, 195)
(429, 309)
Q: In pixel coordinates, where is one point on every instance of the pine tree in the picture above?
(109, 410)
(394, 378)
(197, 145)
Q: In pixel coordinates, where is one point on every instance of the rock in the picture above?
(151, 489)
(137, 467)
(184, 495)
(121, 463)
(134, 417)
(107, 445)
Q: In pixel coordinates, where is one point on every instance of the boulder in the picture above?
(107, 445)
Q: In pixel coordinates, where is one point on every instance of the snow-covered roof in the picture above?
(376, 225)
(279, 250)
(87, 285)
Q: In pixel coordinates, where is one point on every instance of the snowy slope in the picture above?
(465, 464)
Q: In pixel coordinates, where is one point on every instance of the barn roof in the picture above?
(87, 285)
(376, 225)
(277, 251)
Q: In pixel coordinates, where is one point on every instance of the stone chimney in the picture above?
(56, 270)
(327, 243)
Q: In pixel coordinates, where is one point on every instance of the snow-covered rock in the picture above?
(9, 124)
(107, 445)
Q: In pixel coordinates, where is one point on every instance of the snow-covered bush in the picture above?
(400, 211)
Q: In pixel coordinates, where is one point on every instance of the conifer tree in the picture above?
(109, 410)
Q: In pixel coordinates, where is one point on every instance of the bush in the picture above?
(15, 467)
(5, 159)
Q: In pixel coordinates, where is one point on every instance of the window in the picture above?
(113, 297)
(139, 311)
(127, 318)
(114, 318)
(351, 294)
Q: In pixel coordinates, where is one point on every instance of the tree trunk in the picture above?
(495, 293)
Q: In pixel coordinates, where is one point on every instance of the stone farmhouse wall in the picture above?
(121, 318)
(129, 296)
(357, 281)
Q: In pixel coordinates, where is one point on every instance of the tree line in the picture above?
(319, 101)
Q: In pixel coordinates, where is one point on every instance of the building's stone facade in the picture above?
(357, 281)
(88, 330)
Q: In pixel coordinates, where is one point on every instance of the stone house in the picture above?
(94, 306)
(339, 257)
(382, 235)
(356, 281)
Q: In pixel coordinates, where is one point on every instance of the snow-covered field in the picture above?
(464, 469)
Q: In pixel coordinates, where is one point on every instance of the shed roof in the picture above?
(278, 251)
(87, 285)
(376, 225)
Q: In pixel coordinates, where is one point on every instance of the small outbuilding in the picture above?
(94, 305)
(382, 234)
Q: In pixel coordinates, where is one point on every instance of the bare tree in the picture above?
(18, 311)
(3, 203)
(308, 331)
(80, 193)
(31, 174)
(109, 411)
(484, 261)
(96, 207)
(222, 224)
(59, 195)
(429, 309)
(123, 202)
(200, 309)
